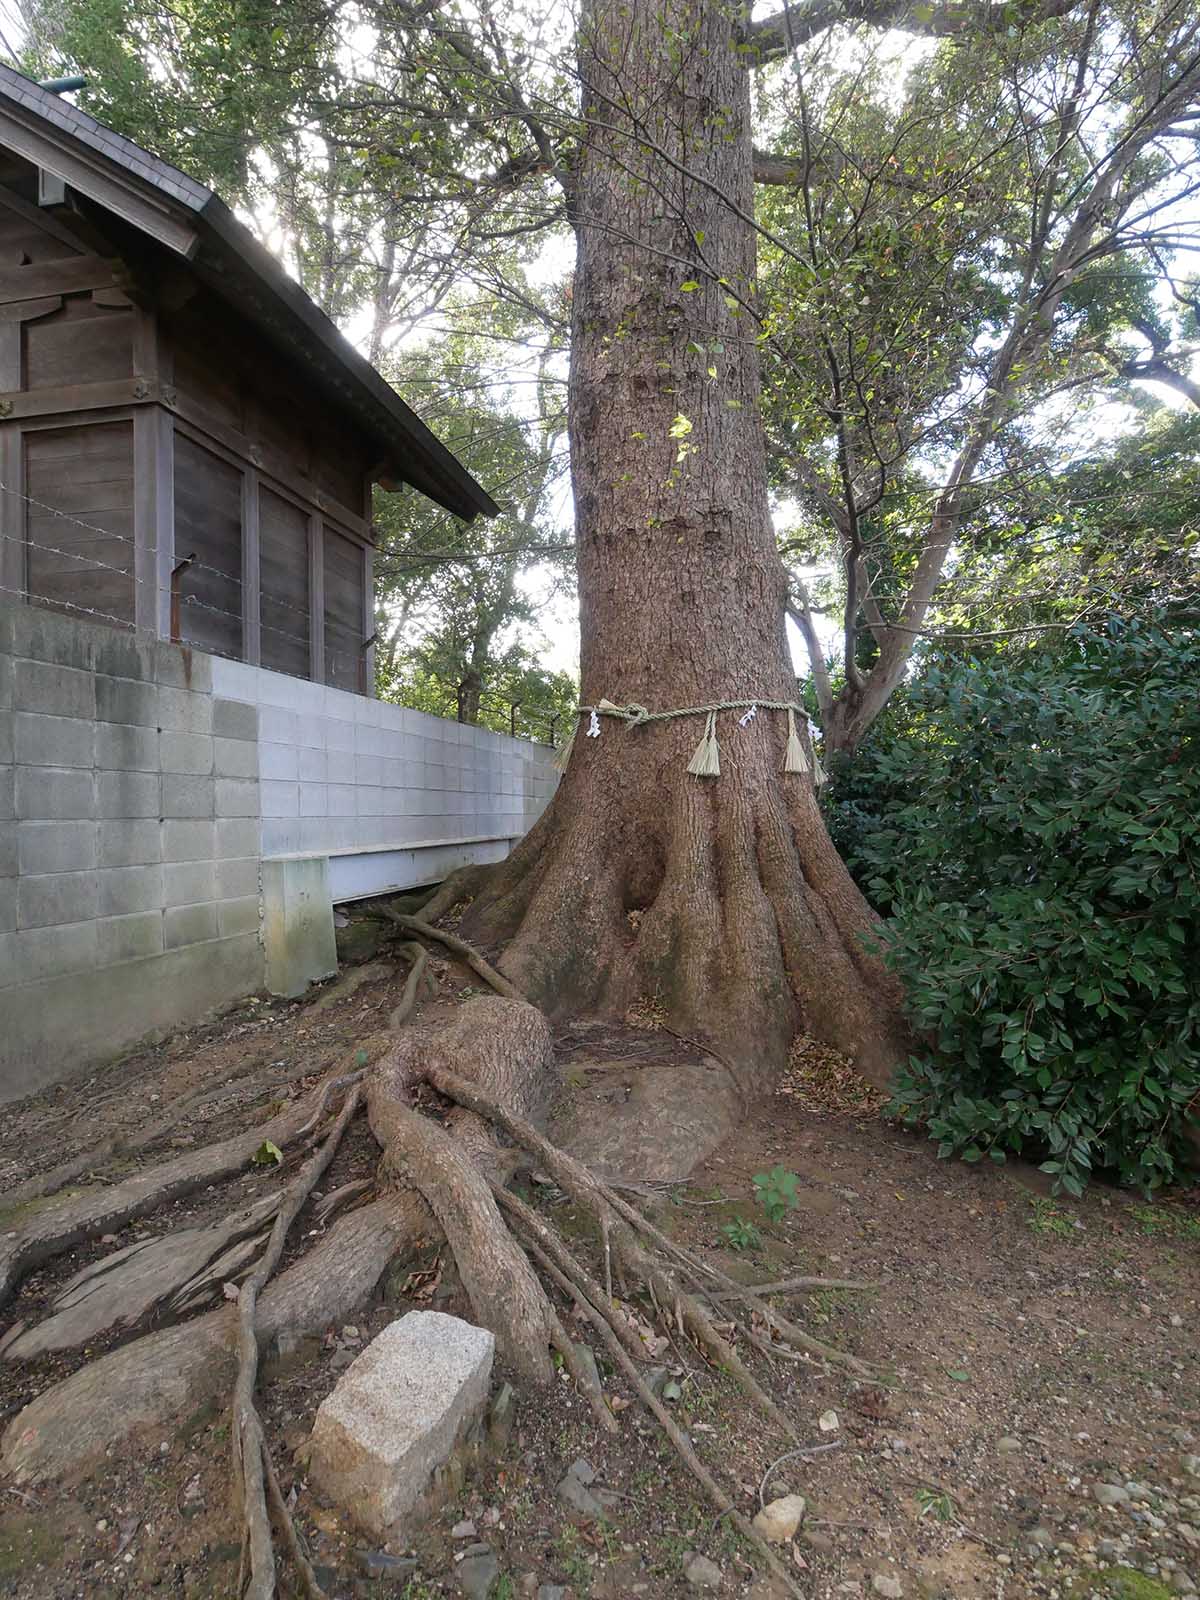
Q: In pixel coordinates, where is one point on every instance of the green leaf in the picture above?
(268, 1154)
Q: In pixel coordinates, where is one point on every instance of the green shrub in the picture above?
(1030, 825)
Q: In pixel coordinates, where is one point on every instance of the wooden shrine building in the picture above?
(187, 443)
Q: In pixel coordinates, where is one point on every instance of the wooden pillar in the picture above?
(13, 573)
(153, 481)
(251, 606)
(316, 598)
(368, 623)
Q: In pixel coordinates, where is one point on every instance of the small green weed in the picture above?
(1047, 1218)
(741, 1235)
(775, 1192)
(934, 1503)
(1165, 1222)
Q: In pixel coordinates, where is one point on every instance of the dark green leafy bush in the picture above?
(1030, 826)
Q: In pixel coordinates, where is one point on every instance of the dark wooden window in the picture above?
(79, 519)
(208, 525)
(343, 610)
(283, 584)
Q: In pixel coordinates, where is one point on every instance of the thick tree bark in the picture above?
(721, 899)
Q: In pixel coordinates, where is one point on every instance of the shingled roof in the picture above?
(192, 221)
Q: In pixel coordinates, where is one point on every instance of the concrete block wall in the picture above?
(339, 772)
(142, 787)
(122, 843)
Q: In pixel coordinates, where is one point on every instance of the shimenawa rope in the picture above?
(705, 762)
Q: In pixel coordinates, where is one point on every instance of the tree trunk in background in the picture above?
(721, 900)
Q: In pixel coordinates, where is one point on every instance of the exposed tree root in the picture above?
(460, 948)
(137, 1390)
(251, 1458)
(587, 1190)
(490, 1058)
(662, 1416)
(502, 1287)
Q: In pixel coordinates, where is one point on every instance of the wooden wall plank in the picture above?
(285, 642)
(79, 519)
(208, 525)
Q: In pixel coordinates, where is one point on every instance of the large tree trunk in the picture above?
(721, 899)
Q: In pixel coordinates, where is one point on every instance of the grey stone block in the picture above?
(236, 797)
(129, 938)
(44, 900)
(46, 636)
(185, 796)
(280, 799)
(54, 952)
(122, 700)
(6, 680)
(236, 879)
(184, 925)
(8, 800)
(190, 840)
(183, 712)
(239, 916)
(58, 691)
(234, 719)
(127, 794)
(129, 842)
(122, 891)
(235, 758)
(120, 655)
(279, 761)
(6, 737)
(187, 883)
(8, 904)
(56, 846)
(44, 794)
(41, 741)
(181, 667)
(190, 753)
(237, 837)
(396, 1415)
(132, 749)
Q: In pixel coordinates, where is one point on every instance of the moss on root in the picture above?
(1120, 1583)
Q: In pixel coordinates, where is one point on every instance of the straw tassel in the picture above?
(820, 776)
(564, 755)
(706, 762)
(793, 759)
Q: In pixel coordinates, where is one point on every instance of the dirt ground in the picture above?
(1036, 1358)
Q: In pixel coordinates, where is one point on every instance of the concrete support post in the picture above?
(297, 924)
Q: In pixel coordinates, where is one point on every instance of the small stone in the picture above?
(551, 1591)
(656, 1379)
(1007, 1447)
(378, 1564)
(573, 1490)
(1191, 1465)
(828, 1422)
(778, 1521)
(477, 1572)
(1176, 1320)
(887, 1586)
(1110, 1494)
(464, 1530)
(1038, 1538)
(700, 1572)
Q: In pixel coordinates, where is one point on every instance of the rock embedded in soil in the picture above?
(397, 1414)
(700, 1572)
(1110, 1494)
(778, 1521)
(887, 1586)
(573, 1490)
(478, 1571)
